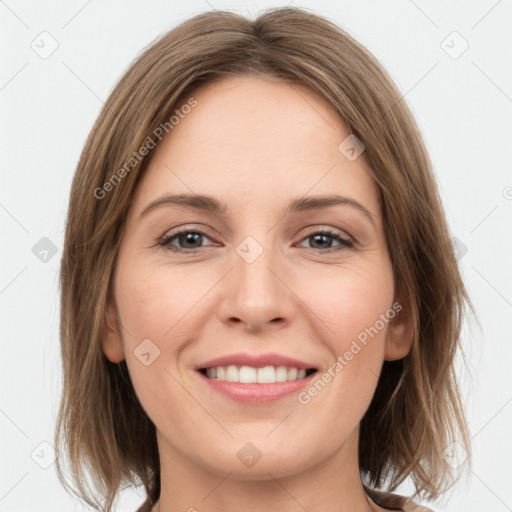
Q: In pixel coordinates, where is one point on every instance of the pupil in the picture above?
(324, 237)
(189, 237)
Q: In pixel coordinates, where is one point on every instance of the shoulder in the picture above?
(396, 502)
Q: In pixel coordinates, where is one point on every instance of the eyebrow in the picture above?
(208, 203)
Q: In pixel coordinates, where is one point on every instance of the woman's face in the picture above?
(259, 278)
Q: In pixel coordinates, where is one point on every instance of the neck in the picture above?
(332, 484)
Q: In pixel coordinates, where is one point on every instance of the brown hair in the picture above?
(416, 411)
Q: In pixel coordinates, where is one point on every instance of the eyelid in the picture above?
(332, 231)
(181, 230)
(346, 242)
(196, 228)
(313, 229)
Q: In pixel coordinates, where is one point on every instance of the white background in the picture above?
(463, 106)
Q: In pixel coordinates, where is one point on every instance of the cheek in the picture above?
(354, 305)
(351, 301)
(167, 305)
(157, 304)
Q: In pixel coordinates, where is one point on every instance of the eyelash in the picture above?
(166, 241)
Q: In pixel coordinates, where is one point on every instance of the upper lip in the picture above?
(256, 361)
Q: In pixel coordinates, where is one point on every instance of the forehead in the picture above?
(260, 138)
(261, 116)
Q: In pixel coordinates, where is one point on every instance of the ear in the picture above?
(400, 332)
(111, 342)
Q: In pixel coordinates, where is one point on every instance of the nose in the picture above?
(256, 294)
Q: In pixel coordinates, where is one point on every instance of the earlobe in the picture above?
(399, 336)
(111, 342)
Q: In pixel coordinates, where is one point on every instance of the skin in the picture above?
(255, 144)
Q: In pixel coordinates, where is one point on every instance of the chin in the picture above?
(253, 461)
(261, 471)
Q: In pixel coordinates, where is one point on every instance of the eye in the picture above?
(189, 238)
(322, 238)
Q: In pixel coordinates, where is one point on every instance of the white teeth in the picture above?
(232, 373)
(281, 374)
(292, 373)
(266, 375)
(249, 374)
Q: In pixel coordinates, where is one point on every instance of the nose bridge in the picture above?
(253, 263)
(255, 292)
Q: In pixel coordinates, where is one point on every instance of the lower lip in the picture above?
(257, 393)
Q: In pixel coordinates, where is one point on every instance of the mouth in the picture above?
(256, 378)
(252, 375)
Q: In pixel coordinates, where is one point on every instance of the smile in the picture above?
(256, 378)
(252, 375)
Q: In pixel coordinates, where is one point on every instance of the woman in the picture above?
(261, 304)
